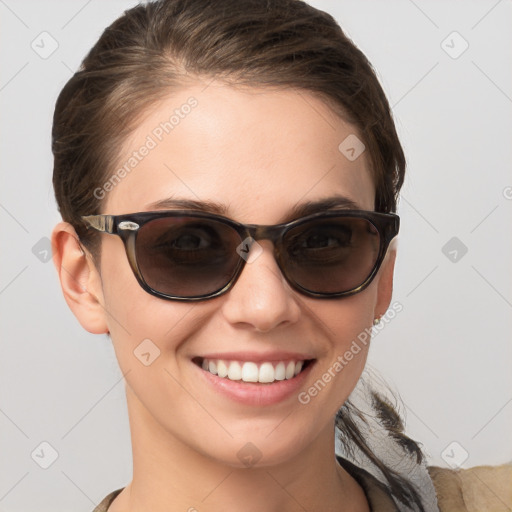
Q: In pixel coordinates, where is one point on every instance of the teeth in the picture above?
(234, 371)
(290, 370)
(222, 369)
(251, 372)
(266, 373)
(280, 372)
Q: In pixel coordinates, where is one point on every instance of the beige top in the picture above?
(477, 489)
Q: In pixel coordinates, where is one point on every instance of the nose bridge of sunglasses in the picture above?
(258, 238)
(264, 232)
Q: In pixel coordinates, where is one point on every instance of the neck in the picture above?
(170, 475)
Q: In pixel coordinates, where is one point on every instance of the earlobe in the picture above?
(79, 279)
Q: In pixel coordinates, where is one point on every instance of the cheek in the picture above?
(346, 323)
(345, 319)
(146, 331)
(124, 298)
(136, 319)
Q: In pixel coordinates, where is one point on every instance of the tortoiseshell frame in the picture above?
(126, 226)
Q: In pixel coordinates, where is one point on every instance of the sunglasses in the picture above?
(191, 256)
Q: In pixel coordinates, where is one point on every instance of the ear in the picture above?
(385, 284)
(80, 280)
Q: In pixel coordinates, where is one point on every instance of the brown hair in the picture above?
(155, 48)
(159, 46)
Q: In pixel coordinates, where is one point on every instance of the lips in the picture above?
(252, 378)
(263, 372)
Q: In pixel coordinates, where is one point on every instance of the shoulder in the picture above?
(473, 490)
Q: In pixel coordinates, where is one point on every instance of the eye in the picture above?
(188, 238)
(324, 240)
(189, 241)
(323, 237)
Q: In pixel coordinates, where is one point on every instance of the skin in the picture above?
(259, 152)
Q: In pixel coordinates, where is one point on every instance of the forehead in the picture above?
(258, 151)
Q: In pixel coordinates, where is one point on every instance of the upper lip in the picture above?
(257, 357)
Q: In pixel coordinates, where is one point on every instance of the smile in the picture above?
(264, 372)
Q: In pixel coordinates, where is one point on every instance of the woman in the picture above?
(227, 173)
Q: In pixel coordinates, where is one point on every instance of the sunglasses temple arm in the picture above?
(103, 223)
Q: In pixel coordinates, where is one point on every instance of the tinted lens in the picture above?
(187, 256)
(331, 255)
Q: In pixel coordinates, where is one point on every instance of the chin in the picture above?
(257, 451)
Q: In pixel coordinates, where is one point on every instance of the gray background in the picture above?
(448, 353)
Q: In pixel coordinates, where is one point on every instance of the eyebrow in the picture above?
(297, 211)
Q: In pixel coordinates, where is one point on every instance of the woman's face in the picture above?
(258, 153)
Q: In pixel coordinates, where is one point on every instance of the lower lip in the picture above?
(256, 394)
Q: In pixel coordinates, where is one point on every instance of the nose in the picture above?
(261, 297)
